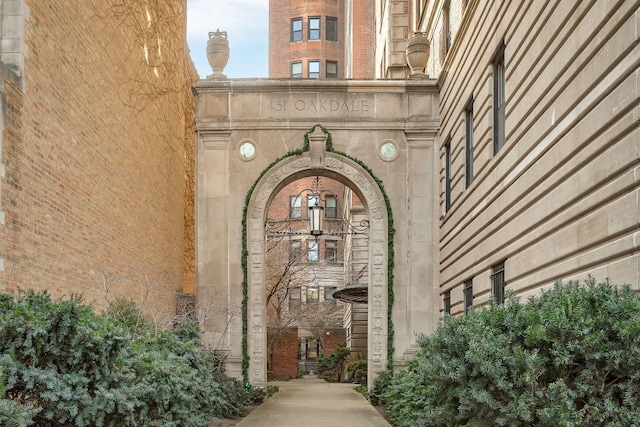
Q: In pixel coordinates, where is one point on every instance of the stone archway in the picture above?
(317, 161)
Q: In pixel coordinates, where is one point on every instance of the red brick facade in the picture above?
(94, 153)
(285, 361)
(364, 46)
(286, 48)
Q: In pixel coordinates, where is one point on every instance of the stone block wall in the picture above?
(559, 200)
(93, 149)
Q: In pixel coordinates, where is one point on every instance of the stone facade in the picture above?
(96, 114)
(559, 199)
(388, 126)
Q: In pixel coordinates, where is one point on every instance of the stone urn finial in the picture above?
(218, 52)
(418, 54)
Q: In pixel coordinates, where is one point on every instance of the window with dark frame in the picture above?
(295, 298)
(314, 69)
(313, 296)
(468, 295)
(314, 28)
(296, 70)
(447, 175)
(295, 207)
(332, 69)
(499, 99)
(296, 29)
(469, 144)
(332, 29)
(294, 250)
(447, 302)
(331, 251)
(498, 283)
(312, 250)
(331, 207)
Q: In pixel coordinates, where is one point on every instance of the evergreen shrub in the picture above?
(62, 364)
(332, 367)
(569, 357)
(356, 369)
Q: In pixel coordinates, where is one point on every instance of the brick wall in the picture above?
(282, 51)
(364, 48)
(285, 359)
(332, 339)
(94, 153)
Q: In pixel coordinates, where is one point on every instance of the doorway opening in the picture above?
(316, 264)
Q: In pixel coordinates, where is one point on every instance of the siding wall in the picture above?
(560, 199)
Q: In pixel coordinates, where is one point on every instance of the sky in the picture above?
(247, 25)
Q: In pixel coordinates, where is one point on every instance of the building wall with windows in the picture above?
(320, 39)
(96, 115)
(539, 139)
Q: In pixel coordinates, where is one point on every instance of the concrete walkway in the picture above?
(311, 402)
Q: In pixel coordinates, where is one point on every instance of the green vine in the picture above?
(245, 252)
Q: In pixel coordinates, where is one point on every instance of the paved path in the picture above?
(311, 402)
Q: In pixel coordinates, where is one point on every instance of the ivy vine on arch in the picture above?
(245, 252)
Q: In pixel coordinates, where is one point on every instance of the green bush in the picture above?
(61, 364)
(356, 369)
(332, 367)
(380, 385)
(570, 357)
(126, 314)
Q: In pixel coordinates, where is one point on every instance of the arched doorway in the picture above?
(317, 161)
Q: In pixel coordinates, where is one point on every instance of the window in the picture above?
(446, 26)
(499, 99)
(312, 250)
(312, 348)
(332, 29)
(447, 302)
(294, 298)
(312, 296)
(296, 70)
(331, 251)
(314, 28)
(498, 283)
(314, 69)
(296, 29)
(328, 296)
(295, 207)
(294, 250)
(332, 69)
(331, 207)
(469, 143)
(447, 175)
(468, 295)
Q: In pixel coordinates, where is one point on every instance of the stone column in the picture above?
(422, 296)
(212, 249)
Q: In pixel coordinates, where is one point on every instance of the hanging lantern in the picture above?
(316, 216)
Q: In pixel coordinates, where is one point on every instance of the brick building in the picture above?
(303, 271)
(321, 39)
(96, 126)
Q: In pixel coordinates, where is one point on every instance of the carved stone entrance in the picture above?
(256, 136)
(317, 161)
